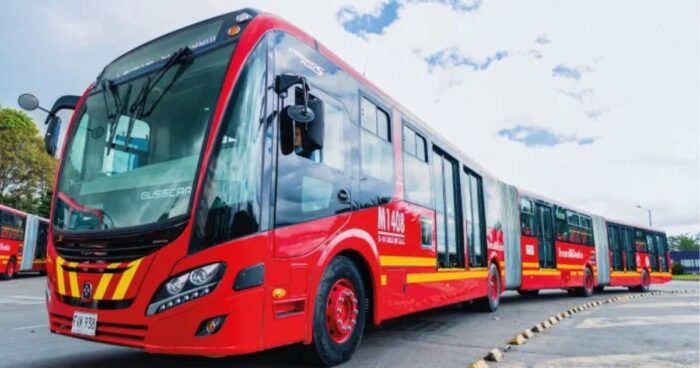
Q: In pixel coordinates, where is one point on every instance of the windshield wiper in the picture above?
(139, 105)
(120, 106)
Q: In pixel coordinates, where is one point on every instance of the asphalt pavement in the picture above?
(663, 329)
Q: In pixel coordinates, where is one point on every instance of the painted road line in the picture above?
(27, 297)
(30, 327)
(601, 322)
(659, 305)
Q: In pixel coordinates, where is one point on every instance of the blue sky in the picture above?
(591, 102)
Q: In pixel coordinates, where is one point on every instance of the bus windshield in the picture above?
(133, 154)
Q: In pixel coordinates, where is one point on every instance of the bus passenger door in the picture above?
(545, 237)
(615, 247)
(448, 211)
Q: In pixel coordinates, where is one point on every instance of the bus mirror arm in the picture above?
(29, 102)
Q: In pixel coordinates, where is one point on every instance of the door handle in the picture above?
(343, 196)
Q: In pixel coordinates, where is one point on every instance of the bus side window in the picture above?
(309, 183)
(562, 226)
(6, 224)
(527, 217)
(416, 168)
(376, 155)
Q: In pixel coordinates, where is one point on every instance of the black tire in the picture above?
(599, 289)
(490, 302)
(646, 282)
(529, 292)
(11, 265)
(587, 289)
(324, 350)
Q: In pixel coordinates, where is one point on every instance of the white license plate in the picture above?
(84, 323)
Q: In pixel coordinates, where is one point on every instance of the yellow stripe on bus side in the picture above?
(104, 282)
(543, 272)
(73, 278)
(531, 264)
(625, 274)
(128, 275)
(59, 276)
(398, 261)
(413, 278)
(569, 267)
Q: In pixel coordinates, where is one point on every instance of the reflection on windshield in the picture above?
(125, 167)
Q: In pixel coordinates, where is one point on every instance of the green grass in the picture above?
(687, 277)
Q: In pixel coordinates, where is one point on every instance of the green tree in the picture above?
(684, 242)
(26, 170)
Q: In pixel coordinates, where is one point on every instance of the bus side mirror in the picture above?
(314, 129)
(51, 136)
(29, 102)
(306, 113)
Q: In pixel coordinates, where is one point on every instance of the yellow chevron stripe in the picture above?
(104, 282)
(397, 261)
(413, 278)
(59, 276)
(73, 278)
(125, 281)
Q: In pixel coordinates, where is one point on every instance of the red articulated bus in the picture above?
(22, 242)
(234, 186)
(566, 248)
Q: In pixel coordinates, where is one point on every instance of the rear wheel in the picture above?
(646, 282)
(528, 292)
(339, 314)
(587, 289)
(10, 270)
(490, 302)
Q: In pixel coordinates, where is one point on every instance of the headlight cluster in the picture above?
(186, 287)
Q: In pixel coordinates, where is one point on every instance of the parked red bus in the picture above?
(234, 186)
(22, 242)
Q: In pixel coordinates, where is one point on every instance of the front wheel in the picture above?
(10, 270)
(339, 314)
(490, 302)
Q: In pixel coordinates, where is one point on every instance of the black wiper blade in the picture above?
(120, 106)
(139, 105)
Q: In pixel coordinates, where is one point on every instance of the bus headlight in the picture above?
(185, 287)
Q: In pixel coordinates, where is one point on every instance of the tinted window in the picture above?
(562, 225)
(230, 203)
(527, 217)
(416, 169)
(474, 218)
(376, 156)
(308, 189)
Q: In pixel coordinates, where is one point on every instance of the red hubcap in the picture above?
(342, 309)
(493, 288)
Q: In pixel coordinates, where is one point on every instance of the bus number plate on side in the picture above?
(84, 323)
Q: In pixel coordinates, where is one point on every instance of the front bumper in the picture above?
(174, 331)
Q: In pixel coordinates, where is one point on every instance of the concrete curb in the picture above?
(496, 355)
